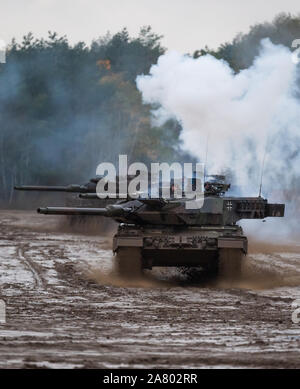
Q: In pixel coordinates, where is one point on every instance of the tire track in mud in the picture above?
(29, 264)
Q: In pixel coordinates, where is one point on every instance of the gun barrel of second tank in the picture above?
(73, 211)
(73, 188)
(42, 188)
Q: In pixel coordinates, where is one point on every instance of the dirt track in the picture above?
(64, 309)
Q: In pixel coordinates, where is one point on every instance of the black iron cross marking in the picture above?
(229, 205)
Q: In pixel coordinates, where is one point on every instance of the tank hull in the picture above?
(189, 246)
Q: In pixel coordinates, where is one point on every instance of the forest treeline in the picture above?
(64, 108)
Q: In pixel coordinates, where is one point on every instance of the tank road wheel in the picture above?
(230, 263)
(129, 262)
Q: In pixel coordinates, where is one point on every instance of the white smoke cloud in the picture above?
(240, 115)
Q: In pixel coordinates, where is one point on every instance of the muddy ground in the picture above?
(64, 307)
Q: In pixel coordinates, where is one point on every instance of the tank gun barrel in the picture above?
(109, 211)
(69, 188)
(41, 188)
(72, 211)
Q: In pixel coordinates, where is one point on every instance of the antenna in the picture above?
(262, 173)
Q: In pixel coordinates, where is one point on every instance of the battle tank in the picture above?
(163, 232)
